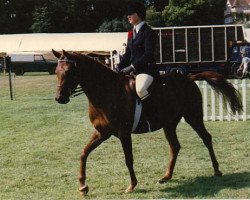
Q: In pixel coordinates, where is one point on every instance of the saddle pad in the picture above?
(137, 115)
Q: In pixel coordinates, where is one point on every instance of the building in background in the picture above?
(237, 11)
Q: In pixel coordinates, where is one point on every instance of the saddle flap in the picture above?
(132, 83)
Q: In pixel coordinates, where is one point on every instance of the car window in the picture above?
(38, 58)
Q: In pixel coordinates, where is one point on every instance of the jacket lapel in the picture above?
(140, 32)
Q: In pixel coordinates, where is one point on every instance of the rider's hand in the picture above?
(127, 70)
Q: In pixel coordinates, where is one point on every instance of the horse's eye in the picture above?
(68, 72)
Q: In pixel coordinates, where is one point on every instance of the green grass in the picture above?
(41, 142)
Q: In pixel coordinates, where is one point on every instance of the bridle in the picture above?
(67, 60)
(78, 91)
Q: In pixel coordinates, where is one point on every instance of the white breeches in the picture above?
(245, 70)
(142, 83)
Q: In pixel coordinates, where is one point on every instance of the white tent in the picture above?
(68, 41)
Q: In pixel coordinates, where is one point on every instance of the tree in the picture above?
(15, 16)
(115, 25)
(154, 18)
(194, 12)
(102, 15)
(159, 5)
(120, 23)
(42, 22)
(53, 16)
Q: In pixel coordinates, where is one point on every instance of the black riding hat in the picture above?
(136, 7)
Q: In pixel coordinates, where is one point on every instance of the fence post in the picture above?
(221, 117)
(213, 105)
(225, 112)
(244, 97)
(7, 66)
(229, 117)
(236, 85)
(205, 100)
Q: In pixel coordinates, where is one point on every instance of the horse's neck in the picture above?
(99, 85)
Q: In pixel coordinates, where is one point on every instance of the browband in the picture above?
(66, 60)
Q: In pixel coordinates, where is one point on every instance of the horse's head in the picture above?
(66, 72)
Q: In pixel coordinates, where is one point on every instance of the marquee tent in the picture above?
(90, 42)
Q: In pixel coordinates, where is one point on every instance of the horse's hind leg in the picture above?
(95, 140)
(170, 133)
(196, 122)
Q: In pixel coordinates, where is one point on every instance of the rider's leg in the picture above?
(142, 83)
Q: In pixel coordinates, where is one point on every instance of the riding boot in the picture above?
(152, 112)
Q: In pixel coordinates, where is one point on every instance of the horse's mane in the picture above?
(97, 66)
(96, 72)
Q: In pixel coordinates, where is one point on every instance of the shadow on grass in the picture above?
(208, 186)
(36, 74)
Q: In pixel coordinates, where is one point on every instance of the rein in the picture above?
(78, 91)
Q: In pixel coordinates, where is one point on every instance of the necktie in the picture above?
(134, 33)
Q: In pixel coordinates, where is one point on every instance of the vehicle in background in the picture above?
(31, 62)
(1, 64)
(194, 49)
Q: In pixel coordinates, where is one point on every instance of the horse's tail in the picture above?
(221, 85)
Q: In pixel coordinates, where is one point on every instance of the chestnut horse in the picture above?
(112, 107)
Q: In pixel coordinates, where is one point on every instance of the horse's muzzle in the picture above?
(62, 99)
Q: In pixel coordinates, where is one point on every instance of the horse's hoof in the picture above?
(218, 173)
(130, 189)
(163, 180)
(84, 190)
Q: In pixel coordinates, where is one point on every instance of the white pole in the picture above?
(236, 85)
(213, 105)
(173, 42)
(205, 101)
(244, 99)
(111, 60)
(229, 117)
(221, 107)
(160, 40)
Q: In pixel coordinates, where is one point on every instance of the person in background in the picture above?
(139, 55)
(116, 57)
(244, 64)
(107, 63)
(124, 46)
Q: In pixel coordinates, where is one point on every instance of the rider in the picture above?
(140, 54)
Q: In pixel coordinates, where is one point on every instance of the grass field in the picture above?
(41, 141)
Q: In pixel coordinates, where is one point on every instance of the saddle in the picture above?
(146, 117)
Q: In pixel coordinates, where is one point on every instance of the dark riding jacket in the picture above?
(140, 51)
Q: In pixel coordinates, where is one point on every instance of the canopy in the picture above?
(89, 42)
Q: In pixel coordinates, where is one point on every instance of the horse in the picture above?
(112, 104)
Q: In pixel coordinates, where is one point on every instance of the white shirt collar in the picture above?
(138, 26)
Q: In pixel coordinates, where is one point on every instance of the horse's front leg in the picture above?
(126, 142)
(96, 139)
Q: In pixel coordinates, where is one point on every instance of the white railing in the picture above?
(214, 108)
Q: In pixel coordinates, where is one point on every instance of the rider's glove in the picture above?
(128, 69)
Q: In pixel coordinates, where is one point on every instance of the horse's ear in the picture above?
(56, 54)
(67, 55)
